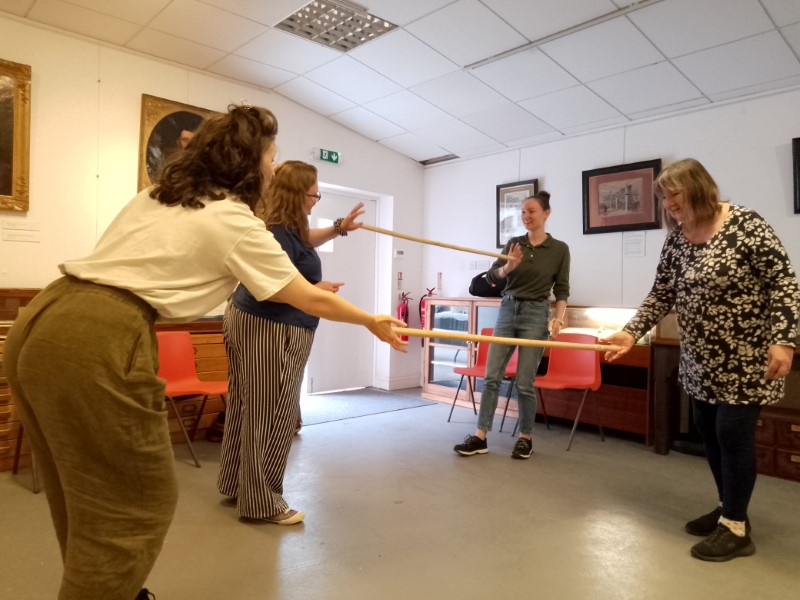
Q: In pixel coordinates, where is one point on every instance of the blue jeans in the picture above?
(520, 319)
(729, 436)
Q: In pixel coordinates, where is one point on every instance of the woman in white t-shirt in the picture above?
(82, 361)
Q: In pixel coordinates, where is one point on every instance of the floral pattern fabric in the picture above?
(734, 295)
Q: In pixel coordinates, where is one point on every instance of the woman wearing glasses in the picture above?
(268, 344)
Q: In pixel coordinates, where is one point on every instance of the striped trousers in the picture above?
(266, 360)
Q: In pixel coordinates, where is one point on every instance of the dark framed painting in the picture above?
(621, 198)
(796, 169)
(15, 135)
(510, 197)
(166, 127)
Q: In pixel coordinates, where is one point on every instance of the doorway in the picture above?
(343, 355)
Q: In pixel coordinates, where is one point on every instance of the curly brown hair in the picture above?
(285, 201)
(224, 155)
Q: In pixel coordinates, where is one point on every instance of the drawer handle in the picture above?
(795, 458)
(759, 423)
(795, 428)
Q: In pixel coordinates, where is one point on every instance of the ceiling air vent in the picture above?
(438, 159)
(339, 25)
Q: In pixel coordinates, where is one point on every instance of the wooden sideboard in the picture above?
(210, 360)
(622, 402)
(778, 429)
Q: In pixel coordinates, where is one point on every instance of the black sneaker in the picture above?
(705, 525)
(723, 545)
(472, 445)
(522, 449)
(144, 594)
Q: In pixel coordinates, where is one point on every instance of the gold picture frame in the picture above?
(15, 135)
(162, 122)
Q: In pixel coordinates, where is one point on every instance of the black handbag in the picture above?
(480, 286)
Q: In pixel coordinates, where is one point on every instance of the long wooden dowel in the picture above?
(432, 242)
(470, 337)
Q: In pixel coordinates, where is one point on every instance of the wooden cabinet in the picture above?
(621, 403)
(211, 362)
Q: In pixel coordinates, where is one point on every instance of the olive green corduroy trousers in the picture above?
(81, 361)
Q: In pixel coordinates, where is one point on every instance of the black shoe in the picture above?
(144, 594)
(522, 449)
(723, 545)
(472, 445)
(705, 525)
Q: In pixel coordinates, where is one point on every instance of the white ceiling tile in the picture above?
(792, 35)
(367, 123)
(353, 80)
(466, 32)
(403, 58)
(570, 108)
(455, 136)
(85, 22)
(407, 110)
(314, 96)
(526, 17)
(493, 148)
(250, 71)
(266, 13)
(508, 123)
(670, 108)
(140, 12)
(414, 146)
(783, 12)
(205, 24)
(655, 85)
(459, 94)
(605, 49)
(748, 62)
(168, 47)
(289, 52)
(525, 75)
(535, 140)
(595, 125)
(768, 86)
(667, 26)
(402, 13)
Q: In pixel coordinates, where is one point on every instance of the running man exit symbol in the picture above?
(330, 156)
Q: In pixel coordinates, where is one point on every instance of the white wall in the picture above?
(746, 147)
(85, 116)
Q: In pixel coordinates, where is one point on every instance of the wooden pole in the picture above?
(432, 242)
(470, 337)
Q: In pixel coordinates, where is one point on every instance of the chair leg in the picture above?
(577, 417)
(183, 429)
(199, 416)
(540, 394)
(508, 401)
(471, 386)
(458, 389)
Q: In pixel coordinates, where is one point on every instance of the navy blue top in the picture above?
(308, 264)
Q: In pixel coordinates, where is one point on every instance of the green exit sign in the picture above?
(330, 156)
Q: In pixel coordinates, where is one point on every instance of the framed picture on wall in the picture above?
(166, 127)
(796, 169)
(621, 198)
(15, 135)
(510, 197)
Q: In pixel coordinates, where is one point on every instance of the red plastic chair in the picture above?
(479, 370)
(573, 369)
(177, 367)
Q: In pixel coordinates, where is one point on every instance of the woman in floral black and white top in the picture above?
(736, 295)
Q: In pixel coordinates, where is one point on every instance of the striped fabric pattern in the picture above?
(266, 360)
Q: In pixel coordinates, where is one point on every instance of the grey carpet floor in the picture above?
(336, 406)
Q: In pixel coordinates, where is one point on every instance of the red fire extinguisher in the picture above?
(402, 311)
(422, 302)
